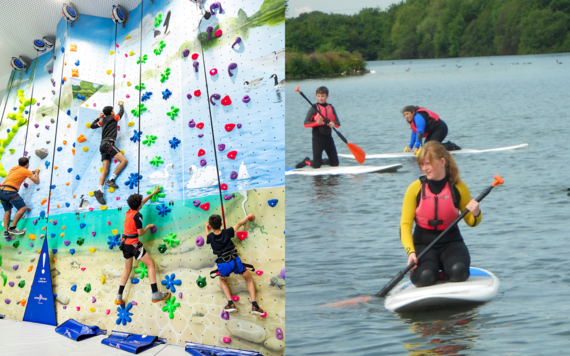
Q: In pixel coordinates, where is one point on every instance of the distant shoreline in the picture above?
(326, 64)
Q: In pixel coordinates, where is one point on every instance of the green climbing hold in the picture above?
(173, 112)
(143, 270)
(16, 244)
(87, 288)
(171, 240)
(156, 161)
(22, 284)
(143, 60)
(162, 248)
(158, 50)
(164, 76)
(158, 20)
(142, 86)
(171, 306)
(80, 241)
(4, 277)
(156, 196)
(12, 151)
(0, 260)
(201, 282)
(150, 139)
(138, 110)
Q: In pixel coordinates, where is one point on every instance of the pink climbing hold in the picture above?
(241, 235)
(226, 339)
(126, 55)
(78, 308)
(90, 209)
(93, 233)
(180, 295)
(108, 311)
(93, 299)
(259, 272)
(83, 269)
(55, 222)
(235, 298)
(108, 222)
(213, 71)
(116, 44)
(118, 198)
(94, 104)
(124, 75)
(31, 245)
(115, 161)
(200, 125)
(128, 96)
(279, 334)
(264, 315)
(229, 127)
(218, 33)
(199, 241)
(195, 56)
(232, 154)
(201, 152)
(226, 101)
(205, 206)
(223, 186)
(134, 303)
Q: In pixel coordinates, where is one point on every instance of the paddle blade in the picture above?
(357, 152)
(297, 90)
(498, 181)
(344, 303)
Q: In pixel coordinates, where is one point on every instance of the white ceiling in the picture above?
(23, 21)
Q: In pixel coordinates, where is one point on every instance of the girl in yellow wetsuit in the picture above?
(433, 202)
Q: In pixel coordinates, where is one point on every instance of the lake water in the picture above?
(343, 232)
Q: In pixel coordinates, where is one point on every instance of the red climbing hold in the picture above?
(226, 101)
(232, 155)
(223, 186)
(200, 125)
(201, 152)
(205, 206)
(195, 56)
(229, 127)
(241, 235)
(197, 92)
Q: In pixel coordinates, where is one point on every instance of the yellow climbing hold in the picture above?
(132, 123)
(109, 71)
(128, 84)
(85, 149)
(88, 125)
(131, 53)
(32, 237)
(111, 190)
(115, 232)
(92, 310)
(128, 37)
(103, 279)
(123, 151)
(91, 193)
(92, 250)
(101, 169)
(112, 53)
(103, 207)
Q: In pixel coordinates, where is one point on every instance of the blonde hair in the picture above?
(434, 150)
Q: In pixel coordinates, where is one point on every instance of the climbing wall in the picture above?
(213, 141)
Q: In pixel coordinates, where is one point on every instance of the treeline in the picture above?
(300, 65)
(437, 29)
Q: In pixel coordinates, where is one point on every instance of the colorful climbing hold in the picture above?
(156, 161)
(232, 154)
(229, 127)
(213, 71)
(203, 162)
(227, 339)
(171, 306)
(233, 175)
(170, 282)
(174, 142)
(74, 287)
(228, 196)
(197, 93)
(214, 96)
(143, 270)
(173, 112)
(238, 40)
(201, 281)
(205, 206)
(166, 94)
(239, 126)
(109, 71)
(230, 67)
(226, 101)
(134, 179)
(171, 239)
(163, 210)
(135, 281)
(259, 272)
(199, 241)
(279, 333)
(223, 186)
(241, 235)
(272, 202)
(201, 152)
(103, 279)
(162, 248)
(246, 99)
(218, 33)
(123, 315)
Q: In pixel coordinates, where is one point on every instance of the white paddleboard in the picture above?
(327, 170)
(463, 151)
(480, 287)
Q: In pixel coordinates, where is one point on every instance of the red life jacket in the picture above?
(327, 113)
(131, 227)
(436, 212)
(428, 116)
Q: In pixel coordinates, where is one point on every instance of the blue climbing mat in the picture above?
(77, 331)
(203, 350)
(133, 343)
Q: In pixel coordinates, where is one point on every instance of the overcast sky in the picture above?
(349, 7)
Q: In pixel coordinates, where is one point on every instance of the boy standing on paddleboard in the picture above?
(322, 123)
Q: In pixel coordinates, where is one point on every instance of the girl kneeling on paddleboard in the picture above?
(424, 123)
(434, 201)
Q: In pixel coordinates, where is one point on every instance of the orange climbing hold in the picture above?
(68, 126)
(81, 138)
(56, 167)
(75, 72)
(65, 142)
(44, 201)
(43, 228)
(58, 206)
(23, 302)
(63, 227)
(65, 79)
(67, 183)
(73, 150)
(73, 47)
(62, 234)
(30, 268)
(74, 196)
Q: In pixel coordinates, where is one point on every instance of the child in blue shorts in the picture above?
(228, 260)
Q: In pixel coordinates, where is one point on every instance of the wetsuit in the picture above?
(423, 125)
(130, 244)
(450, 254)
(109, 136)
(322, 135)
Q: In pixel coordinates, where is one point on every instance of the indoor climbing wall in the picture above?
(204, 118)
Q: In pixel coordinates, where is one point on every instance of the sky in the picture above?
(348, 7)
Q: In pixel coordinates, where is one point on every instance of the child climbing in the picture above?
(10, 197)
(322, 132)
(228, 260)
(132, 247)
(107, 120)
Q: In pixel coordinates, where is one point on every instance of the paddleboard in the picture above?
(458, 152)
(480, 287)
(341, 170)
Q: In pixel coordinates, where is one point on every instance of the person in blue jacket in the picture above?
(425, 124)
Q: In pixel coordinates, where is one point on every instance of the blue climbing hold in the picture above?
(114, 241)
(54, 250)
(136, 136)
(15, 108)
(163, 210)
(124, 316)
(77, 177)
(74, 145)
(26, 111)
(74, 287)
(47, 164)
(69, 170)
(62, 49)
(133, 181)
(72, 251)
(77, 62)
(67, 205)
(272, 202)
(146, 96)
(174, 142)
(62, 82)
(42, 214)
(59, 149)
(52, 187)
(170, 282)
(82, 225)
(135, 281)
(8, 130)
(68, 112)
(52, 235)
(166, 94)
(76, 120)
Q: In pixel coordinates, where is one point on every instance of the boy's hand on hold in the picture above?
(156, 190)
(250, 217)
(150, 226)
(101, 115)
(207, 225)
(120, 102)
(37, 171)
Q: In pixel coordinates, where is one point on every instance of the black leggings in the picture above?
(324, 144)
(439, 134)
(453, 258)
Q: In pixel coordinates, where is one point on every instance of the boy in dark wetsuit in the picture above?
(228, 261)
(107, 120)
(132, 247)
(322, 132)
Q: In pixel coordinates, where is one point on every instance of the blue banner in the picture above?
(40, 307)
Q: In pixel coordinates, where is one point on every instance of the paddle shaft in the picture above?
(327, 120)
(403, 272)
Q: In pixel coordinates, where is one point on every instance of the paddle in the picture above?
(400, 275)
(356, 151)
